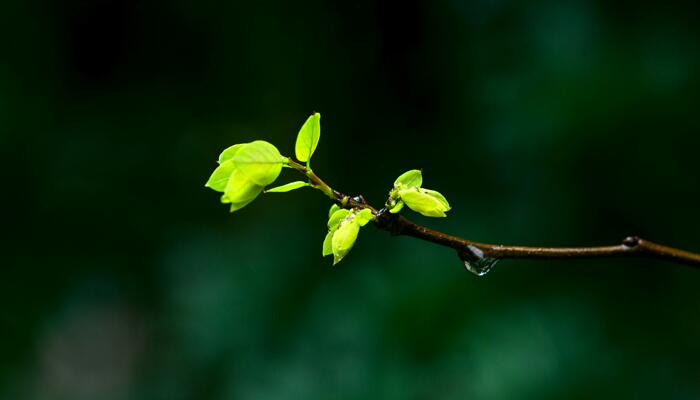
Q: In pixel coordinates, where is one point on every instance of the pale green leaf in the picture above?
(328, 244)
(398, 207)
(333, 209)
(343, 239)
(337, 217)
(229, 152)
(364, 216)
(308, 137)
(287, 187)
(260, 161)
(240, 189)
(239, 205)
(409, 179)
(426, 202)
(219, 178)
(438, 196)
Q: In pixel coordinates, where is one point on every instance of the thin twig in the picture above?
(631, 246)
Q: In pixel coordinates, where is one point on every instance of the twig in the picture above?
(631, 246)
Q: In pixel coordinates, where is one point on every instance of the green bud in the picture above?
(397, 207)
(363, 216)
(425, 201)
(240, 191)
(333, 209)
(343, 227)
(409, 179)
(337, 218)
(344, 238)
(328, 243)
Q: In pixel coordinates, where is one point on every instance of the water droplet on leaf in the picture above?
(475, 261)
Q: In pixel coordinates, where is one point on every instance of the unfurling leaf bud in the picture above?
(244, 170)
(344, 238)
(409, 179)
(343, 228)
(425, 201)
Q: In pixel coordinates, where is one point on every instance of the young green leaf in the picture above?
(424, 201)
(237, 206)
(363, 216)
(333, 209)
(409, 179)
(337, 217)
(437, 196)
(398, 207)
(343, 239)
(229, 152)
(260, 161)
(219, 178)
(308, 137)
(288, 187)
(328, 244)
(240, 189)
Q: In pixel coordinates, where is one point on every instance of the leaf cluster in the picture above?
(246, 169)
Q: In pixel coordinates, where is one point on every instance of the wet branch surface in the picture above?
(470, 251)
(631, 246)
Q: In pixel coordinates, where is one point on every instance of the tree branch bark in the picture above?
(631, 246)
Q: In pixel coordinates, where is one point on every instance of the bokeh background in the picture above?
(543, 122)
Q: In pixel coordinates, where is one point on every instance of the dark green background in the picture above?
(543, 123)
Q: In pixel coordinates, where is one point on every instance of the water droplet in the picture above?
(475, 261)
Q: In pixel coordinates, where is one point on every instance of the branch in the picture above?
(631, 246)
(474, 252)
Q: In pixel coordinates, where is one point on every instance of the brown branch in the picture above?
(631, 246)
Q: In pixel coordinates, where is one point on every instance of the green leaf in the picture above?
(260, 161)
(409, 179)
(333, 209)
(308, 137)
(343, 227)
(219, 178)
(398, 207)
(343, 239)
(288, 187)
(438, 196)
(337, 217)
(239, 205)
(364, 216)
(426, 202)
(240, 189)
(328, 244)
(229, 152)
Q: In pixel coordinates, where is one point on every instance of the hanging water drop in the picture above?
(475, 261)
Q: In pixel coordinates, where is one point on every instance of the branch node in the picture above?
(388, 222)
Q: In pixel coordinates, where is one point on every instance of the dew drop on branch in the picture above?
(475, 261)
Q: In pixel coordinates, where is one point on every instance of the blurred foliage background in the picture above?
(543, 122)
